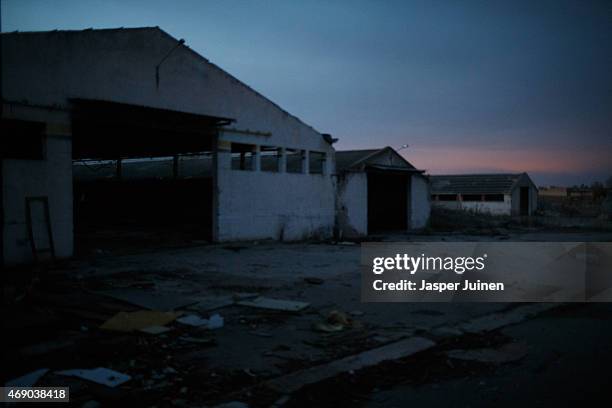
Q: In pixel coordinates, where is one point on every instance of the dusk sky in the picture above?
(471, 86)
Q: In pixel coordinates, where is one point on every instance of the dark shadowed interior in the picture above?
(387, 201)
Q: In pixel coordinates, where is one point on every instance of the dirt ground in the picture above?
(52, 318)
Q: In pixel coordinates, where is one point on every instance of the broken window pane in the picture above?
(295, 160)
(316, 162)
(147, 168)
(196, 165)
(494, 197)
(243, 156)
(447, 197)
(472, 197)
(270, 158)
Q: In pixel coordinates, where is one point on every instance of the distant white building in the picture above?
(379, 191)
(501, 194)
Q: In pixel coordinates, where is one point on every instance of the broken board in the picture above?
(209, 303)
(151, 300)
(100, 375)
(275, 304)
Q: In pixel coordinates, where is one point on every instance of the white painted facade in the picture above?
(489, 207)
(283, 206)
(353, 204)
(50, 178)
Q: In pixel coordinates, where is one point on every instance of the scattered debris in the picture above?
(150, 300)
(338, 317)
(212, 303)
(198, 340)
(28, 380)
(155, 329)
(313, 281)
(214, 322)
(100, 375)
(336, 321)
(275, 304)
(192, 320)
(292, 382)
(505, 354)
(327, 327)
(47, 347)
(232, 404)
(260, 333)
(142, 319)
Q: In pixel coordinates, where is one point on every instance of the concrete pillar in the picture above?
(324, 164)
(305, 161)
(327, 164)
(224, 156)
(282, 160)
(257, 158)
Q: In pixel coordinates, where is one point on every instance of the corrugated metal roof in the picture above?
(356, 159)
(473, 183)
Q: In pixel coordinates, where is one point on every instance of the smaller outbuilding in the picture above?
(499, 194)
(379, 191)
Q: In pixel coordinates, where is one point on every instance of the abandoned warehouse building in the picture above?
(496, 194)
(115, 133)
(100, 100)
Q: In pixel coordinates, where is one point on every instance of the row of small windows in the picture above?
(271, 159)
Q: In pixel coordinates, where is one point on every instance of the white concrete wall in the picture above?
(420, 202)
(488, 207)
(352, 205)
(51, 177)
(284, 206)
(119, 66)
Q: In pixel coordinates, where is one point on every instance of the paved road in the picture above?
(568, 364)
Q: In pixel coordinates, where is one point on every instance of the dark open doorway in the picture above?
(387, 202)
(143, 177)
(524, 201)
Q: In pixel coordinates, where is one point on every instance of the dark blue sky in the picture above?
(472, 86)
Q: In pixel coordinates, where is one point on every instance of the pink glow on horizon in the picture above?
(438, 160)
